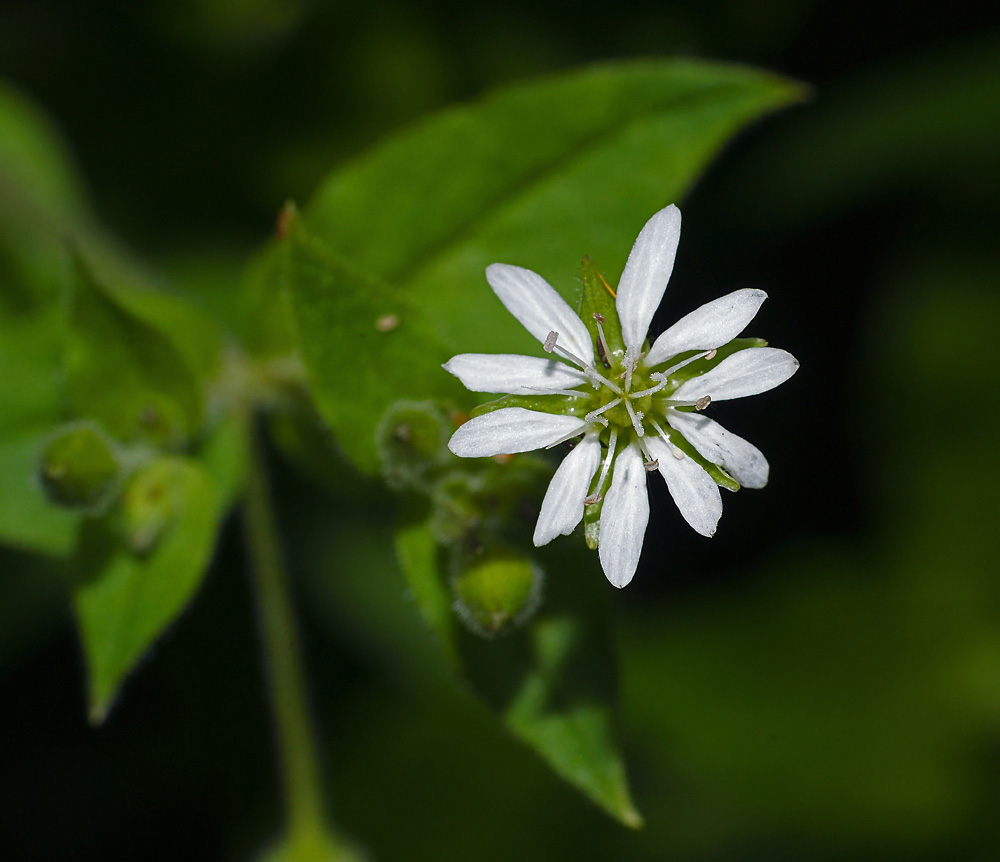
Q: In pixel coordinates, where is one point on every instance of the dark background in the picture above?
(822, 680)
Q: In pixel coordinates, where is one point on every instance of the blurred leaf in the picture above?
(132, 339)
(357, 366)
(33, 156)
(536, 175)
(552, 681)
(30, 354)
(40, 196)
(123, 599)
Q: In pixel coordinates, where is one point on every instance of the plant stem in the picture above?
(282, 658)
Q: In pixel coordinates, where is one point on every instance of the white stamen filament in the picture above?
(574, 393)
(599, 318)
(708, 354)
(576, 360)
(659, 430)
(566, 437)
(596, 378)
(607, 462)
(630, 366)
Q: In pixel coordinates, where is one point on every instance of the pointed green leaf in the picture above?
(552, 681)
(364, 346)
(126, 596)
(40, 198)
(156, 393)
(534, 175)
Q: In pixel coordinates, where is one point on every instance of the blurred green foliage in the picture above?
(819, 681)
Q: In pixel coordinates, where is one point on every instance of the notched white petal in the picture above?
(511, 430)
(746, 372)
(562, 508)
(624, 517)
(694, 491)
(540, 310)
(716, 323)
(740, 458)
(646, 274)
(512, 374)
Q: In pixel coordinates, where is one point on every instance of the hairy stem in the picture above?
(282, 659)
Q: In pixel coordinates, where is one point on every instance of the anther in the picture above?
(678, 454)
(651, 465)
(602, 341)
(592, 499)
(703, 402)
(711, 353)
(550, 342)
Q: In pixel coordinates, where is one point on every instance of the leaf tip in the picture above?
(631, 818)
(288, 216)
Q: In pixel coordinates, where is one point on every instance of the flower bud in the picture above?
(80, 467)
(497, 592)
(411, 440)
(147, 504)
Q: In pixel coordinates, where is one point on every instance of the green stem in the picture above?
(283, 662)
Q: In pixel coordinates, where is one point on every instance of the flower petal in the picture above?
(646, 274)
(624, 517)
(747, 372)
(694, 491)
(562, 508)
(510, 430)
(512, 374)
(716, 323)
(535, 303)
(742, 460)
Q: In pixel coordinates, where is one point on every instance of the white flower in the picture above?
(636, 408)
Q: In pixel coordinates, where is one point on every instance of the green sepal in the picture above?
(80, 467)
(592, 511)
(412, 439)
(563, 404)
(597, 297)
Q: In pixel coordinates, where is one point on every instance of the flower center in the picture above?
(623, 398)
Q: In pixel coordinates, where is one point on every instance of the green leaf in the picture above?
(40, 198)
(358, 365)
(149, 346)
(125, 598)
(31, 408)
(552, 681)
(33, 155)
(536, 175)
